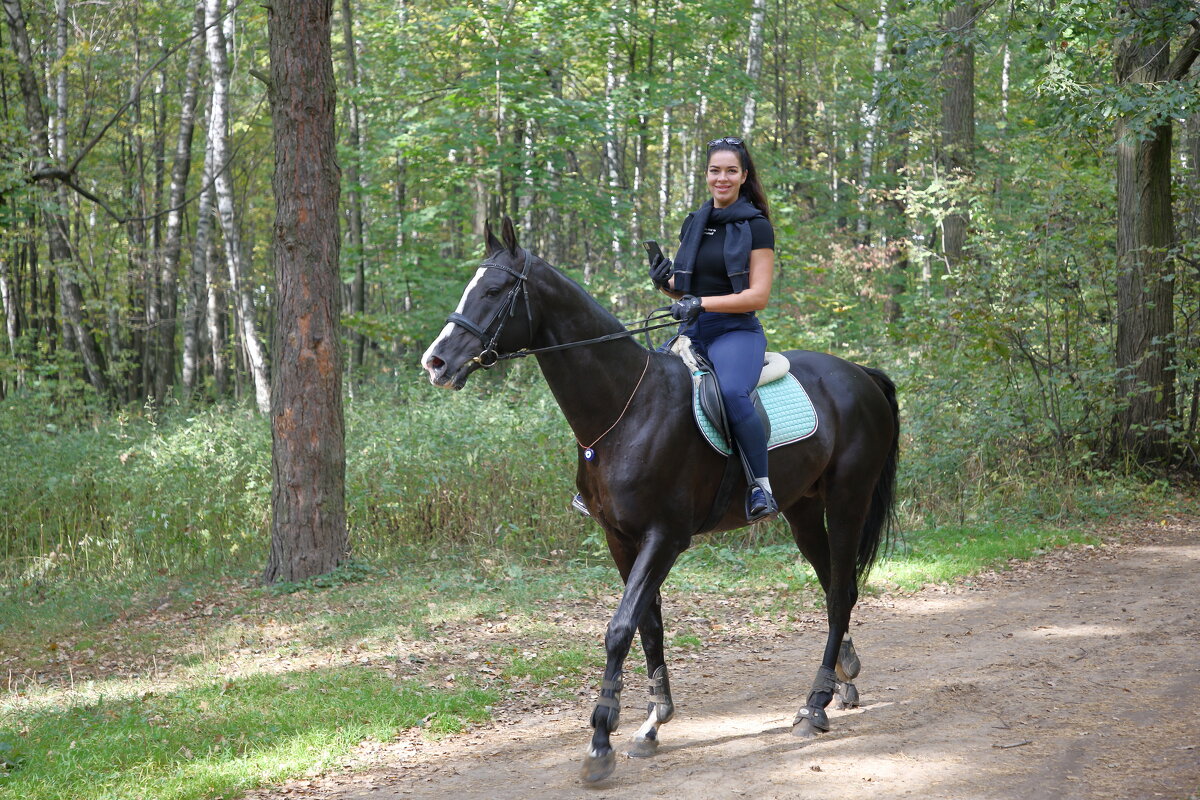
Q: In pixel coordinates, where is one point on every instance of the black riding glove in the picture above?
(687, 308)
(660, 272)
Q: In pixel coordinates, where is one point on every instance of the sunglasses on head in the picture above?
(730, 140)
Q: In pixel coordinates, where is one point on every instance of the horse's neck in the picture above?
(592, 383)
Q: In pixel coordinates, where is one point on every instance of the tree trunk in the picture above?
(612, 163)
(691, 165)
(358, 287)
(1145, 234)
(195, 320)
(214, 308)
(957, 155)
(664, 161)
(898, 231)
(308, 528)
(754, 55)
(11, 305)
(239, 285)
(57, 226)
(870, 121)
(180, 169)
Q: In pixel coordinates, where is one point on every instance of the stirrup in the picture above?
(580, 506)
(765, 508)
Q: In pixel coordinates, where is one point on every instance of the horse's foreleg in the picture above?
(661, 708)
(650, 569)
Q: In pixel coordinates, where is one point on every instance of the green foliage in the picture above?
(137, 492)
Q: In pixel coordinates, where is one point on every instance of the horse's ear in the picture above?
(491, 243)
(510, 235)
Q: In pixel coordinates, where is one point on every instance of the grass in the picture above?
(217, 737)
(943, 554)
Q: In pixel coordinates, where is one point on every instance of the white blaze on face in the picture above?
(446, 331)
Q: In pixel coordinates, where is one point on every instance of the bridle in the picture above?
(507, 309)
(489, 357)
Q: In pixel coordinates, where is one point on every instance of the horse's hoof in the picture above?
(848, 663)
(846, 697)
(804, 729)
(810, 721)
(598, 767)
(642, 747)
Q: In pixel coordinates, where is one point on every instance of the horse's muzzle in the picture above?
(441, 376)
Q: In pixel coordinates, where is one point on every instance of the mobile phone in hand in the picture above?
(653, 251)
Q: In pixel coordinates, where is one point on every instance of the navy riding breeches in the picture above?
(735, 345)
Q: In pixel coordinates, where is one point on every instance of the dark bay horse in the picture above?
(649, 479)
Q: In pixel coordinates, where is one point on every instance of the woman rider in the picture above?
(721, 276)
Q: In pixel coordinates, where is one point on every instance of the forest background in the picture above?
(996, 203)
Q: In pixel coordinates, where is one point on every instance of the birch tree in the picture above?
(76, 331)
(180, 169)
(754, 56)
(242, 293)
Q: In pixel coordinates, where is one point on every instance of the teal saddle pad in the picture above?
(788, 405)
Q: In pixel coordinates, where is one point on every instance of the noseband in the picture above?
(507, 309)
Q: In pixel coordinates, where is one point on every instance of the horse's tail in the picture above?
(880, 526)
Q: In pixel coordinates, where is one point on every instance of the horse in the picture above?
(649, 479)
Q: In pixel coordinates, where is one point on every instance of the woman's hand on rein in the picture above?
(687, 308)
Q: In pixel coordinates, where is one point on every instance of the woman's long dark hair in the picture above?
(752, 189)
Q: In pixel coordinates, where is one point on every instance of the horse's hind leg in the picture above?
(846, 670)
(661, 708)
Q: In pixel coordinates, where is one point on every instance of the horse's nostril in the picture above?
(436, 363)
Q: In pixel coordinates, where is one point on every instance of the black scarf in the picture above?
(736, 218)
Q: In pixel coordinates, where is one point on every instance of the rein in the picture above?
(489, 357)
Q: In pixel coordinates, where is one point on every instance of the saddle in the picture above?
(779, 398)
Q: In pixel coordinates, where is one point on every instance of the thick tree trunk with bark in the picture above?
(308, 527)
(1145, 234)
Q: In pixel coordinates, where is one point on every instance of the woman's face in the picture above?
(725, 177)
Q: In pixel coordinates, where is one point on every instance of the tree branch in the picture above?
(1186, 56)
(853, 15)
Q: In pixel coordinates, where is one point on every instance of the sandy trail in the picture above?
(1076, 676)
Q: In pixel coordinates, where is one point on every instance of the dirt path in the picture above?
(1077, 676)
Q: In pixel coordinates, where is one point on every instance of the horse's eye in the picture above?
(492, 292)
